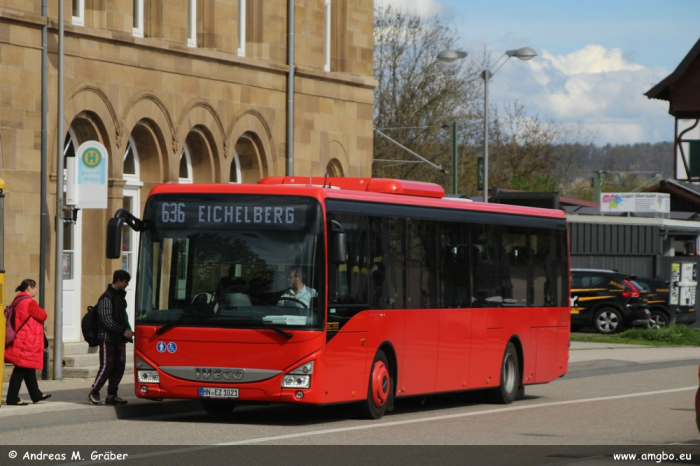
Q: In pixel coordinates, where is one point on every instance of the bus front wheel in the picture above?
(218, 407)
(510, 378)
(379, 390)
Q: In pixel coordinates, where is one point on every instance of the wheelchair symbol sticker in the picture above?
(172, 347)
(160, 347)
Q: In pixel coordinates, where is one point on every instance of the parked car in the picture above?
(607, 300)
(659, 304)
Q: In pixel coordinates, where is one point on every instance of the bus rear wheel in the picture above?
(218, 407)
(510, 378)
(380, 389)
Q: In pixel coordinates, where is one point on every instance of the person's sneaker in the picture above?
(115, 400)
(94, 398)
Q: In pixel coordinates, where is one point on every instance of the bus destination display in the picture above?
(207, 214)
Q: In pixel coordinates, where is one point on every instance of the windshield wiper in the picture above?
(188, 312)
(260, 324)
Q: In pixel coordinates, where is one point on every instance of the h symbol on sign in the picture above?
(91, 157)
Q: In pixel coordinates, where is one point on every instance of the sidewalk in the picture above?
(69, 405)
(591, 356)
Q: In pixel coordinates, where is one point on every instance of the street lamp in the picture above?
(523, 53)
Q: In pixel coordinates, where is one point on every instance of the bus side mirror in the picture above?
(114, 237)
(339, 247)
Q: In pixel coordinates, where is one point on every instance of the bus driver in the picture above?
(301, 295)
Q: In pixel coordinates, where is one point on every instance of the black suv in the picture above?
(607, 300)
(658, 301)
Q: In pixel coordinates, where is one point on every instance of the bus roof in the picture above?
(382, 190)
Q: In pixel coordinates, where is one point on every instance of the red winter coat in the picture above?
(27, 350)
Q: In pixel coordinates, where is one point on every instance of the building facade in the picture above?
(178, 91)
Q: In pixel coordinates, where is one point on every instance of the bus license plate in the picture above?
(206, 392)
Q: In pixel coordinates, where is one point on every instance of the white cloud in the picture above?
(591, 59)
(424, 8)
(595, 87)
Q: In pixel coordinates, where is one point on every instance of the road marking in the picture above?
(378, 424)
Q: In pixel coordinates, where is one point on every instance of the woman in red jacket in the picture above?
(26, 352)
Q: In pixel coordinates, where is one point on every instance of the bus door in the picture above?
(346, 350)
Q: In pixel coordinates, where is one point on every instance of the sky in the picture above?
(596, 58)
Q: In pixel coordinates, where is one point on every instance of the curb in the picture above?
(82, 414)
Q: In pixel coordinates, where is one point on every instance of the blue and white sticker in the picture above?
(160, 347)
(172, 347)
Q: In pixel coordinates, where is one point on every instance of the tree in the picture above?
(417, 96)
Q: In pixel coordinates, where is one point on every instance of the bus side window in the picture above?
(348, 282)
(454, 268)
(387, 236)
(421, 270)
(487, 267)
(517, 261)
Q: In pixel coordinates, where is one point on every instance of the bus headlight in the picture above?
(299, 377)
(296, 381)
(145, 373)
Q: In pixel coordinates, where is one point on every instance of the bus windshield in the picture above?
(231, 261)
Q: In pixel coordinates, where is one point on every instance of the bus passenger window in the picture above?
(348, 282)
(454, 266)
(387, 235)
(488, 269)
(421, 269)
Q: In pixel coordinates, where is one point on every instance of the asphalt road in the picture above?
(617, 399)
(640, 404)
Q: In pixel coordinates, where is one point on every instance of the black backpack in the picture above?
(89, 326)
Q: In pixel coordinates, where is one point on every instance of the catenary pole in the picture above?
(58, 268)
(290, 88)
(42, 197)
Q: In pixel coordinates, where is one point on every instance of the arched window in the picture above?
(334, 169)
(235, 172)
(185, 166)
(70, 229)
(131, 162)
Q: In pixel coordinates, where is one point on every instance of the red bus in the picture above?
(338, 290)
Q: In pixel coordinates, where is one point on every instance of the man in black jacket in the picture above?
(113, 331)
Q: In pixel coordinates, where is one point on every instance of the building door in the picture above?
(71, 266)
(130, 238)
(130, 251)
(71, 281)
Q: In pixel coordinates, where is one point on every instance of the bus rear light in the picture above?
(145, 373)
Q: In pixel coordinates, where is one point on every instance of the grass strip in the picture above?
(678, 335)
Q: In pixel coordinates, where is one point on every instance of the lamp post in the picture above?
(523, 53)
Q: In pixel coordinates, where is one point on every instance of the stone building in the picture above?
(179, 91)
